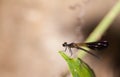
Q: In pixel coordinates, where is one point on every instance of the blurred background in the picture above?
(32, 33)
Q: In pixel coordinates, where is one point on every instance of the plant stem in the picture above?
(102, 26)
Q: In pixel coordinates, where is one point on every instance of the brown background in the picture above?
(32, 31)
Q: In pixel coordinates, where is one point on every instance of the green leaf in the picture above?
(77, 67)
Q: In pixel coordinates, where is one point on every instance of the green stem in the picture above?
(103, 26)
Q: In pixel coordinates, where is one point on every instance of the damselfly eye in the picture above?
(64, 44)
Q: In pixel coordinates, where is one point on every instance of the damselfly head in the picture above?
(65, 44)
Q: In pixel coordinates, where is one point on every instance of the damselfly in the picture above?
(100, 45)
